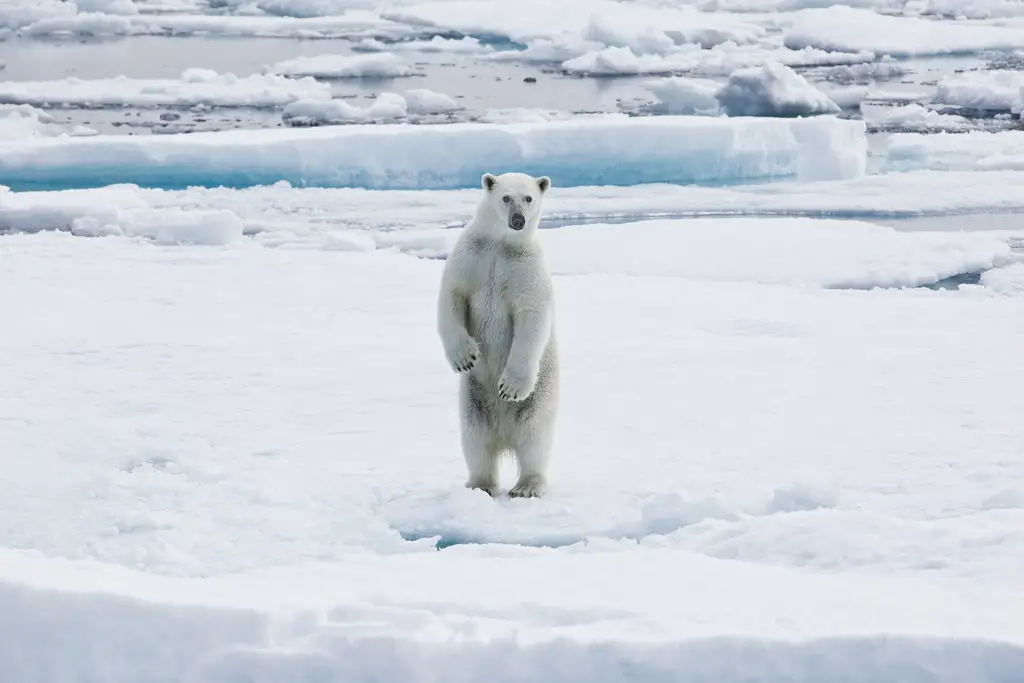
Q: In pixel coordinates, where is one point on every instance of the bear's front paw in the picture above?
(516, 386)
(463, 354)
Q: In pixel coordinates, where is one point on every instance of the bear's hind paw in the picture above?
(533, 486)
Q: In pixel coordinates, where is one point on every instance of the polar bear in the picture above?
(495, 318)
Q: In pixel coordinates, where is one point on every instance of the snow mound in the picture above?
(996, 91)
(195, 87)
(24, 122)
(685, 96)
(772, 90)
(849, 29)
(375, 65)
(606, 150)
(914, 117)
(423, 101)
(791, 251)
(973, 150)
(1008, 280)
(386, 107)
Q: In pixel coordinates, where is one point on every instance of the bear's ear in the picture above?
(488, 181)
(543, 183)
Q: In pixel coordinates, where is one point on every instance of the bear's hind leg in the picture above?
(479, 445)
(533, 449)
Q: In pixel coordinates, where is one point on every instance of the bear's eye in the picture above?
(529, 199)
(505, 199)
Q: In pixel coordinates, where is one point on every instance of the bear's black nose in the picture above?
(517, 221)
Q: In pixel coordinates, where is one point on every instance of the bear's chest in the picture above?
(490, 287)
(492, 277)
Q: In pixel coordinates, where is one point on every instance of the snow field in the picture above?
(610, 150)
(314, 553)
(172, 459)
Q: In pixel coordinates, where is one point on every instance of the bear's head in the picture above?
(515, 199)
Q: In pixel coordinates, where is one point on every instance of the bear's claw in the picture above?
(512, 388)
(529, 487)
(464, 357)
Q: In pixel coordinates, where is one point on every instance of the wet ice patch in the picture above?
(460, 516)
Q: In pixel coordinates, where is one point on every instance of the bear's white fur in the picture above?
(496, 321)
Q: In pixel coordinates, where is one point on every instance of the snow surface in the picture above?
(849, 29)
(195, 87)
(611, 150)
(998, 91)
(1008, 280)
(416, 221)
(264, 535)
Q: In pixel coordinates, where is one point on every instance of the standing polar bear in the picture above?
(496, 321)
